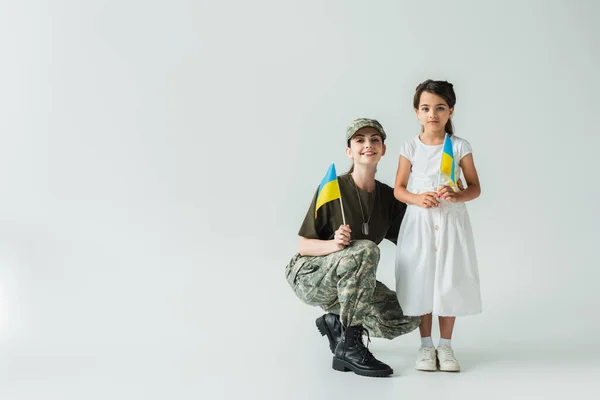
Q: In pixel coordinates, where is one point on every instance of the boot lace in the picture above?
(364, 351)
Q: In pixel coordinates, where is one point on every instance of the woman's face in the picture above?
(366, 146)
(433, 112)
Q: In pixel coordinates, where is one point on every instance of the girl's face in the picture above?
(366, 146)
(433, 112)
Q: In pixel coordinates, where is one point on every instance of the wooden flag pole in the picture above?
(342, 205)
(437, 189)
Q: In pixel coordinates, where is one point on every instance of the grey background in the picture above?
(157, 159)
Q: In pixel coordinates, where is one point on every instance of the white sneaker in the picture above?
(447, 360)
(426, 359)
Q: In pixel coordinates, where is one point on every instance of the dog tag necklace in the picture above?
(365, 224)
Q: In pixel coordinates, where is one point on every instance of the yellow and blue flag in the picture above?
(329, 189)
(448, 166)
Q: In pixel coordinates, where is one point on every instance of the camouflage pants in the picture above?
(344, 283)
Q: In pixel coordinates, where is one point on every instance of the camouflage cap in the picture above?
(363, 123)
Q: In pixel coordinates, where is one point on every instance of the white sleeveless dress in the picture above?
(436, 264)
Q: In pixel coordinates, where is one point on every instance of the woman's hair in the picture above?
(444, 89)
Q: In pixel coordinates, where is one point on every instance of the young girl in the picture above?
(436, 266)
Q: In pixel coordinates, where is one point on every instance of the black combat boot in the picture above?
(351, 354)
(330, 325)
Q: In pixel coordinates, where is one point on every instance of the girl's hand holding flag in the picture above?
(448, 193)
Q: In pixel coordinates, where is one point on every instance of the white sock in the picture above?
(445, 342)
(426, 342)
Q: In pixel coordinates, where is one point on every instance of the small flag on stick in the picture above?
(329, 190)
(448, 167)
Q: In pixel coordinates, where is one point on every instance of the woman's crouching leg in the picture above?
(384, 318)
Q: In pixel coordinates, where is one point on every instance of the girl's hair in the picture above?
(351, 170)
(444, 89)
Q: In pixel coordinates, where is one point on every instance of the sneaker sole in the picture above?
(449, 370)
(428, 369)
(446, 369)
(324, 331)
(341, 365)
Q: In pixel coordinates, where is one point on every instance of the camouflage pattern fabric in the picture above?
(344, 283)
(360, 123)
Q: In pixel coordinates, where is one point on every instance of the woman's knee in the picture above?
(362, 256)
(366, 248)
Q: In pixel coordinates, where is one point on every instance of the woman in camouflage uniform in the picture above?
(336, 264)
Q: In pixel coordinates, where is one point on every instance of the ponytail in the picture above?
(449, 128)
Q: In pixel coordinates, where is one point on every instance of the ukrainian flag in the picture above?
(448, 167)
(329, 189)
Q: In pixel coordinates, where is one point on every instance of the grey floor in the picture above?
(293, 364)
(273, 351)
